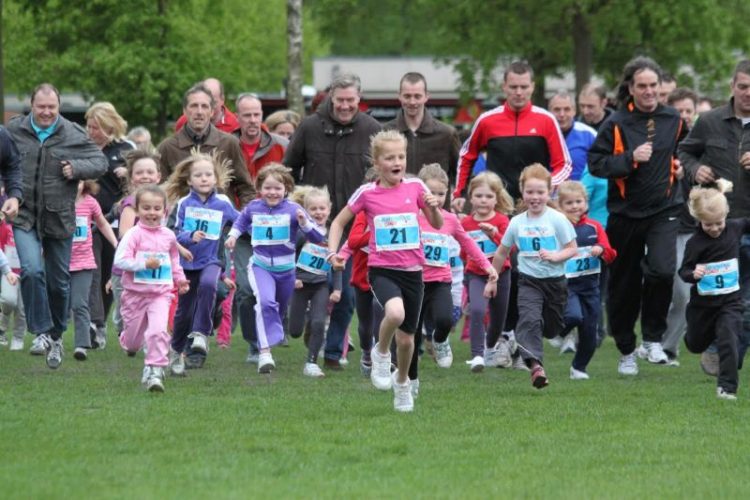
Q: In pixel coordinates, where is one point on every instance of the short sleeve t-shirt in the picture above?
(82, 253)
(550, 231)
(392, 218)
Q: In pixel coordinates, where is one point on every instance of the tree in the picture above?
(294, 56)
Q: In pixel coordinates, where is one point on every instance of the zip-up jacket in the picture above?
(639, 190)
(49, 198)
(514, 140)
(10, 166)
(589, 233)
(579, 139)
(111, 186)
(271, 149)
(206, 251)
(277, 257)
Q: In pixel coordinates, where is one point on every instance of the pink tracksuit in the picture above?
(147, 293)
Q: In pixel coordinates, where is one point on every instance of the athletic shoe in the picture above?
(628, 365)
(342, 361)
(539, 378)
(155, 382)
(656, 354)
(569, 344)
(429, 348)
(490, 357)
(54, 356)
(672, 361)
(578, 374)
(710, 363)
(93, 332)
(146, 374)
(414, 384)
(40, 345)
(176, 363)
(101, 339)
(556, 342)
(3, 339)
(476, 364)
(313, 370)
(721, 393)
(16, 344)
(520, 364)
(200, 342)
(80, 354)
(504, 349)
(265, 362)
(195, 360)
(641, 352)
(365, 365)
(443, 354)
(380, 375)
(403, 400)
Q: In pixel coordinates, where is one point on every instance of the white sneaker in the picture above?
(476, 364)
(504, 350)
(656, 354)
(520, 364)
(40, 345)
(491, 357)
(313, 370)
(628, 365)
(723, 394)
(146, 374)
(16, 344)
(80, 354)
(578, 375)
(556, 342)
(569, 344)
(252, 358)
(380, 375)
(54, 355)
(176, 363)
(414, 384)
(265, 362)
(155, 382)
(200, 342)
(443, 354)
(641, 352)
(343, 361)
(403, 400)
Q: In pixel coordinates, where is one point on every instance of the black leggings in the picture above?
(437, 303)
(317, 296)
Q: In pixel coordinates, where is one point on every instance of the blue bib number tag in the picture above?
(312, 259)
(721, 278)
(396, 232)
(582, 264)
(162, 275)
(531, 239)
(270, 229)
(82, 228)
(203, 219)
(485, 244)
(436, 250)
(454, 250)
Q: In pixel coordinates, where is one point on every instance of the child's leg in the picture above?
(186, 310)
(477, 310)
(364, 302)
(573, 316)
(224, 332)
(728, 332)
(156, 336)
(530, 323)
(498, 309)
(701, 330)
(19, 330)
(117, 320)
(267, 289)
(297, 309)
(205, 298)
(318, 317)
(553, 314)
(80, 286)
(590, 303)
(133, 311)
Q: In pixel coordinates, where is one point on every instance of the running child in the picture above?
(83, 264)
(11, 303)
(273, 221)
(150, 264)
(198, 219)
(395, 256)
(584, 301)
(711, 264)
(545, 240)
(491, 204)
(311, 284)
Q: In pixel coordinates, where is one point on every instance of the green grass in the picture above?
(88, 430)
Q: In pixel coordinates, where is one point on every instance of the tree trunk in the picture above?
(294, 98)
(2, 68)
(163, 105)
(583, 50)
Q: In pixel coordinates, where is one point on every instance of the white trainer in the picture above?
(443, 354)
(200, 342)
(504, 351)
(569, 344)
(312, 370)
(476, 364)
(80, 354)
(55, 353)
(721, 393)
(155, 382)
(380, 375)
(628, 365)
(556, 342)
(656, 354)
(491, 357)
(40, 345)
(414, 384)
(16, 344)
(176, 363)
(146, 374)
(403, 400)
(578, 374)
(520, 364)
(265, 362)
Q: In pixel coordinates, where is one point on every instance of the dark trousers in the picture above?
(583, 312)
(341, 316)
(498, 308)
(195, 308)
(641, 281)
(244, 298)
(723, 324)
(437, 304)
(316, 295)
(541, 305)
(99, 300)
(369, 321)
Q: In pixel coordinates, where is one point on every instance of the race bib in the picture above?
(582, 264)
(162, 275)
(531, 239)
(436, 249)
(12, 254)
(312, 259)
(203, 219)
(82, 228)
(720, 278)
(486, 245)
(396, 232)
(454, 250)
(270, 229)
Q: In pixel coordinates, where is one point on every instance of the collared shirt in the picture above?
(43, 133)
(194, 136)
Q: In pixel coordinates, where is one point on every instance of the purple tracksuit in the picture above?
(271, 270)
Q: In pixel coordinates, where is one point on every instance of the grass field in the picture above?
(88, 430)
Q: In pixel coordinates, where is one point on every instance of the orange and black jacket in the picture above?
(639, 190)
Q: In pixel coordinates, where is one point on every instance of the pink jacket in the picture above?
(140, 243)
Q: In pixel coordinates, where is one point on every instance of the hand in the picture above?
(704, 175)
(488, 229)
(335, 296)
(596, 251)
(108, 286)
(229, 244)
(699, 272)
(337, 262)
(198, 236)
(153, 263)
(643, 152)
(297, 284)
(547, 255)
(492, 275)
(745, 160)
(302, 218)
(677, 169)
(185, 253)
(67, 169)
(458, 204)
(10, 208)
(12, 278)
(120, 172)
(230, 283)
(490, 290)
(431, 201)
(183, 287)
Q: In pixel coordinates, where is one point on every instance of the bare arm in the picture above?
(105, 229)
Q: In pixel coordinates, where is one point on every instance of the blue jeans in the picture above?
(45, 281)
(341, 316)
(745, 287)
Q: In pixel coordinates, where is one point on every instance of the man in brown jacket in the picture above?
(199, 132)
